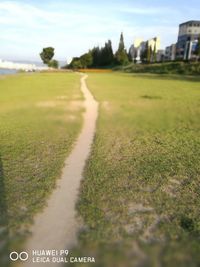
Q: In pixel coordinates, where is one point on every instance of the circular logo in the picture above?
(23, 256)
(14, 256)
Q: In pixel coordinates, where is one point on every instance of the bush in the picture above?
(53, 64)
(186, 68)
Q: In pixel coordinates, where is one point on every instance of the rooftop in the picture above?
(190, 22)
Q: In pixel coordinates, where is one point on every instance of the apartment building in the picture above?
(188, 35)
(139, 46)
(160, 55)
(170, 52)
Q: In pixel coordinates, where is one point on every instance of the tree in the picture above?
(197, 50)
(53, 64)
(86, 60)
(144, 53)
(47, 54)
(109, 56)
(154, 50)
(149, 52)
(121, 54)
(103, 56)
(106, 55)
(96, 55)
(75, 63)
(132, 54)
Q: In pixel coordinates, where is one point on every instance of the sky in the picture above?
(74, 26)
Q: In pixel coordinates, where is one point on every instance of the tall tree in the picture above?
(149, 52)
(47, 54)
(121, 54)
(107, 56)
(154, 50)
(96, 55)
(144, 53)
(110, 52)
(197, 51)
(132, 54)
(103, 57)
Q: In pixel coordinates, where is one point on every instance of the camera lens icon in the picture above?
(23, 256)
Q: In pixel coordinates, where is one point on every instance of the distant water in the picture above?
(6, 71)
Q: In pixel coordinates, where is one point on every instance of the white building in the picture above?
(20, 66)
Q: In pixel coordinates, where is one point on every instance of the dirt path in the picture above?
(56, 227)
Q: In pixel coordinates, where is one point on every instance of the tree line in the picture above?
(102, 57)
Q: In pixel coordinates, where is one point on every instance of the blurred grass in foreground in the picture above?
(140, 196)
(40, 117)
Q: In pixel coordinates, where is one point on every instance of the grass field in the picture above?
(140, 196)
(40, 117)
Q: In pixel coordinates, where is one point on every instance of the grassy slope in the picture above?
(140, 196)
(192, 68)
(38, 125)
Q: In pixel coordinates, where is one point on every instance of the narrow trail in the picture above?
(56, 227)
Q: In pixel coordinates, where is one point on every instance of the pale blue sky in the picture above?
(74, 26)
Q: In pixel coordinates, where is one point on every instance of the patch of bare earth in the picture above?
(106, 105)
(62, 97)
(47, 104)
(74, 105)
(173, 186)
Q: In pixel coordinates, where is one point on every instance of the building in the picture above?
(138, 48)
(154, 43)
(170, 53)
(21, 66)
(188, 35)
(135, 50)
(160, 55)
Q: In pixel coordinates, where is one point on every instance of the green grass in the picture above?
(140, 196)
(40, 118)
